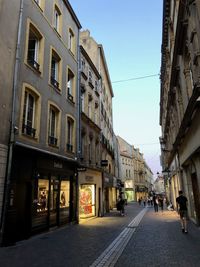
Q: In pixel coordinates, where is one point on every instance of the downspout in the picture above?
(78, 128)
(6, 197)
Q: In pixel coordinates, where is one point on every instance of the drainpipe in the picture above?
(6, 197)
(78, 127)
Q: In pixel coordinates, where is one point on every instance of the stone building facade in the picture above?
(41, 187)
(180, 101)
(109, 181)
(90, 176)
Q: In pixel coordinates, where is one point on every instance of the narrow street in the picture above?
(141, 238)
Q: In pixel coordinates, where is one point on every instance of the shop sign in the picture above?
(89, 178)
(57, 164)
(81, 169)
(104, 163)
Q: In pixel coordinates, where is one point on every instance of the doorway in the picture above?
(54, 203)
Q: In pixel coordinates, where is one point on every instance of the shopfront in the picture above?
(51, 202)
(43, 194)
(90, 194)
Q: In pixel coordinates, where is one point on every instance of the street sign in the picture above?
(104, 163)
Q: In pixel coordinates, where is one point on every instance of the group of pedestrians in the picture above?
(157, 201)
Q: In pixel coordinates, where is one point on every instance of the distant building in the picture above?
(134, 172)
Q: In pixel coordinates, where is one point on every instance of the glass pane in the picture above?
(64, 194)
(87, 201)
(43, 193)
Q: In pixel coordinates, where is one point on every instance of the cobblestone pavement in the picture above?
(159, 241)
(156, 241)
(70, 246)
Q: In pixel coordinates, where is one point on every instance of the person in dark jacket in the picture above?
(181, 201)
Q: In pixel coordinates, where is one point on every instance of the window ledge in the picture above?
(57, 90)
(58, 34)
(30, 137)
(38, 72)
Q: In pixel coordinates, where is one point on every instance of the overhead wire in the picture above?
(136, 78)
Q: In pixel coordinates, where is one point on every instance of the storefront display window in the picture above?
(64, 194)
(43, 192)
(87, 201)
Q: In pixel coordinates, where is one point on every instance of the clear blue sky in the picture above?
(130, 32)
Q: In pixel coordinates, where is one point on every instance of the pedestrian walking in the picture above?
(139, 201)
(181, 201)
(155, 203)
(121, 204)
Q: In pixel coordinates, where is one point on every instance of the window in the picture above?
(35, 46)
(70, 85)
(96, 110)
(28, 115)
(82, 101)
(53, 126)
(70, 134)
(71, 41)
(90, 106)
(40, 3)
(64, 194)
(90, 78)
(42, 195)
(57, 19)
(55, 70)
(90, 151)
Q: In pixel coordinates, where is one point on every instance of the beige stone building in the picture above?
(41, 78)
(90, 178)
(11, 17)
(134, 173)
(96, 53)
(179, 102)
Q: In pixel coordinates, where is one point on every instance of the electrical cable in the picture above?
(136, 78)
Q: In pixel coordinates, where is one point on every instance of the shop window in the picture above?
(43, 195)
(64, 194)
(87, 201)
(55, 70)
(35, 48)
(70, 85)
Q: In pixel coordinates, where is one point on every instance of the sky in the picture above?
(130, 32)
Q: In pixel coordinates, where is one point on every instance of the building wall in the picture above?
(9, 16)
(179, 113)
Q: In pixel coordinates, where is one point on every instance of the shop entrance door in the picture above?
(54, 203)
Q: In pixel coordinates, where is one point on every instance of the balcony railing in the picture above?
(33, 64)
(70, 97)
(54, 82)
(28, 130)
(69, 147)
(53, 141)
